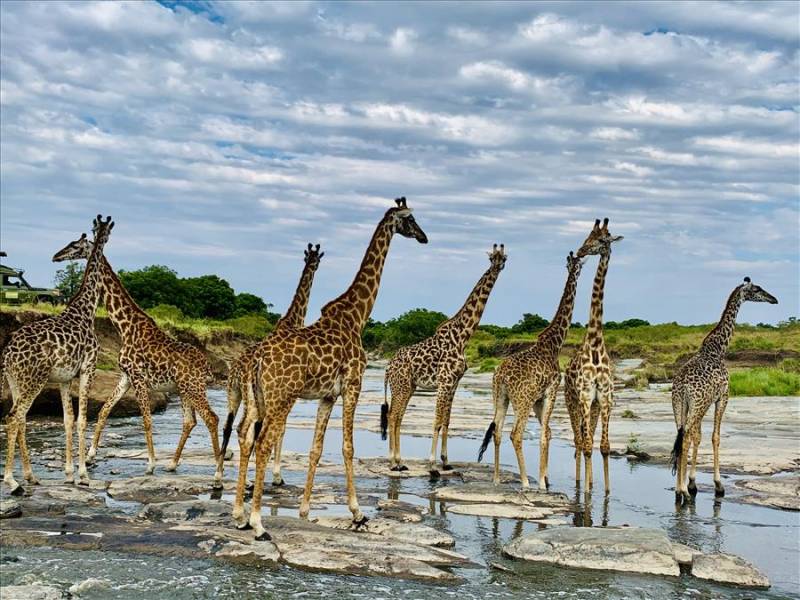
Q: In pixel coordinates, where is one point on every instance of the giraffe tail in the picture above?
(385, 408)
(677, 448)
(234, 400)
(486, 439)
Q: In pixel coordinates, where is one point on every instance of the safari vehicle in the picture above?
(16, 290)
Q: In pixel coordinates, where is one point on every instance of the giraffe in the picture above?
(588, 382)
(530, 378)
(324, 360)
(701, 381)
(242, 367)
(56, 349)
(150, 360)
(437, 362)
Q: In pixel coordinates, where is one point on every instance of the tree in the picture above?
(68, 280)
(530, 324)
(209, 296)
(154, 285)
(247, 304)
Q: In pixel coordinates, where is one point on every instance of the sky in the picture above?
(223, 137)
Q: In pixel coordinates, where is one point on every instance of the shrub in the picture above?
(255, 326)
(764, 381)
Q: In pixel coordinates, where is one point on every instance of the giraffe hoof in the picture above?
(244, 526)
(169, 469)
(360, 522)
(719, 491)
(17, 491)
(216, 494)
(84, 481)
(32, 480)
(217, 485)
(395, 468)
(547, 483)
(250, 486)
(434, 474)
(402, 468)
(692, 487)
(264, 537)
(447, 467)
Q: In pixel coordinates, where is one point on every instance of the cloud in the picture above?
(223, 135)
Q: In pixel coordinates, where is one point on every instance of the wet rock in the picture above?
(481, 493)
(162, 488)
(775, 492)
(630, 550)
(9, 508)
(74, 494)
(31, 592)
(726, 568)
(684, 554)
(256, 552)
(505, 511)
(88, 585)
(413, 533)
(401, 511)
(187, 510)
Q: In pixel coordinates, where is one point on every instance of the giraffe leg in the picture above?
(500, 410)
(605, 444)
(520, 420)
(189, 421)
(696, 436)
(85, 384)
(143, 399)
(122, 386)
(247, 435)
(199, 403)
(544, 440)
(448, 407)
(397, 411)
(350, 400)
(587, 441)
(277, 479)
(27, 470)
(575, 422)
(12, 432)
(264, 445)
(323, 414)
(69, 421)
(21, 401)
(719, 410)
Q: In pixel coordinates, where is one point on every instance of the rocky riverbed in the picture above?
(131, 536)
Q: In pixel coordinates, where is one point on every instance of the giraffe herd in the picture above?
(326, 360)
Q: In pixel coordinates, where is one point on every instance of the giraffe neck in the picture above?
(716, 342)
(355, 305)
(466, 320)
(122, 308)
(552, 338)
(594, 329)
(296, 313)
(84, 302)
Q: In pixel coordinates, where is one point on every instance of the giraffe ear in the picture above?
(83, 236)
(321, 254)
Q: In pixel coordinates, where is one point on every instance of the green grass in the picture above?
(764, 381)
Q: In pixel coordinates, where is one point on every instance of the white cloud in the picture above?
(402, 41)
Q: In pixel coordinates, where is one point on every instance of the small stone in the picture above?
(727, 568)
(81, 587)
(10, 508)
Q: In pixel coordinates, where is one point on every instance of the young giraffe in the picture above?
(588, 382)
(240, 375)
(56, 349)
(701, 381)
(150, 360)
(529, 380)
(436, 363)
(324, 360)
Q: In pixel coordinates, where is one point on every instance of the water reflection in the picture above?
(584, 504)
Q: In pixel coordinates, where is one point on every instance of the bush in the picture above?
(530, 324)
(68, 280)
(167, 312)
(764, 381)
(252, 325)
(405, 330)
(488, 365)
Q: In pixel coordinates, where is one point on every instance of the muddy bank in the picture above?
(220, 348)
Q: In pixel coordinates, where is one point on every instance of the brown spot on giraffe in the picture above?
(56, 349)
(701, 382)
(437, 362)
(588, 386)
(289, 366)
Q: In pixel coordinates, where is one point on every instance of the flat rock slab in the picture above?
(775, 492)
(630, 550)
(31, 592)
(400, 510)
(413, 533)
(726, 568)
(481, 493)
(160, 488)
(503, 511)
(9, 508)
(415, 468)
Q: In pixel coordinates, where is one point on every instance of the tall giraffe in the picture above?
(150, 360)
(324, 360)
(241, 372)
(588, 381)
(530, 378)
(56, 349)
(701, 381)
(438, 363)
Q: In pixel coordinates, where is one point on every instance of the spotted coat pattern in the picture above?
(437, 362)
(324, 360)
(57, 350)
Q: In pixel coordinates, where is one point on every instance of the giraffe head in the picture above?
(599, 240)
(80, 249)
(101, 230)
(754, 293)
(574, 263)
(403, 222)
(497, 258)
(313, 256)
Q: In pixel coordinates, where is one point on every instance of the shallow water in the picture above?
(641, 495)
